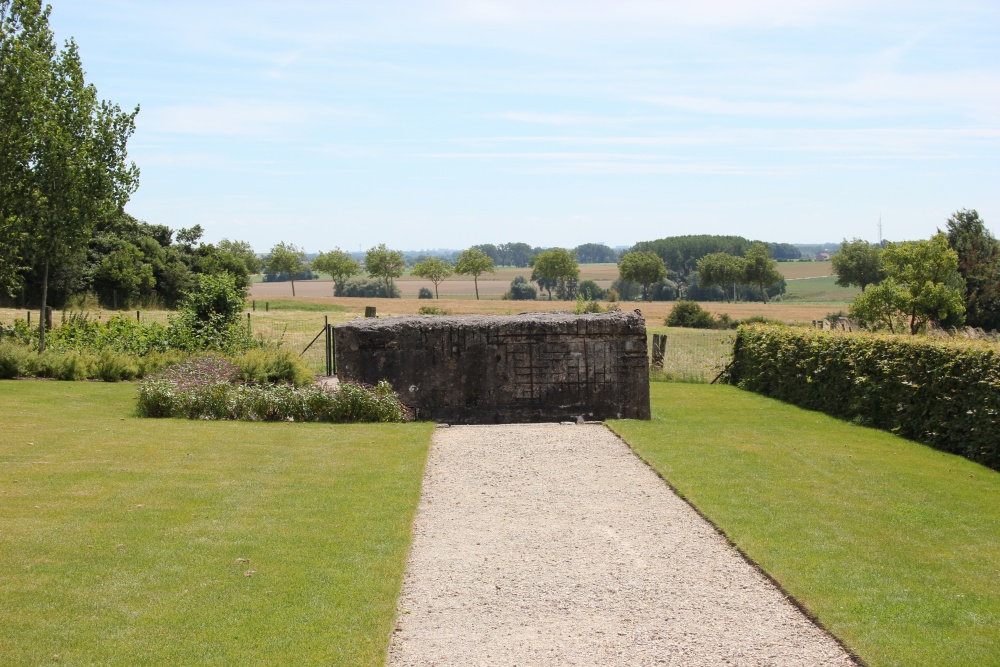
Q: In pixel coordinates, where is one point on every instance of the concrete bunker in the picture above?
(491, 369)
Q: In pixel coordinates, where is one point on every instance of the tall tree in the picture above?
(922, 285)
(244, 251)
(858, 263)
(554, 266)
(594, 253)
(759, 269)
(474, 262)
(340, 265)
(286, 258)
(720, 269)
(76, 171)
(386, 264)
(979, 264)
(437, 271)
(643, 267)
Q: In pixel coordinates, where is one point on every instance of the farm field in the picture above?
(822, 289)
(128, 541)
(493, 286)
(891, 544)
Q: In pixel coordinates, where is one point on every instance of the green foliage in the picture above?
(553, 267)
(521, 290)
(206, 388)
(720, 269)
(340, 265)
(210, 318)
(689, 314)
(63, 157)
(595, 253)
(272, 366)
(435, 270)
(286, 259)
(583, 306)
(979, 265)
(474, 262)
(759, 269)
(425, 293)
(943, 393)
(858, 264)
(380, 262)
(589, 290)
(243, 251)
(922, 286)
(371, 289)
(626, 289)
(681, 253)
(432, 310)
(643, 267)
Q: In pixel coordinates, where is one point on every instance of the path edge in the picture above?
(858, 660)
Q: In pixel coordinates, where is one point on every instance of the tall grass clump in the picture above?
(270, 366)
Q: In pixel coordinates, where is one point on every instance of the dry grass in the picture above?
(798, 270)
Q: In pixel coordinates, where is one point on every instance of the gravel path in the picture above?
(555, 545)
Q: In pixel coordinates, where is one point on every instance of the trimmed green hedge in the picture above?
(945, 393)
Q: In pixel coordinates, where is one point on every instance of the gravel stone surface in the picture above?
(548, 544)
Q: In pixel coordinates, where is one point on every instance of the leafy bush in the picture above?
(369, 288)
(210, 317)
(665, 290)
(626, 290)
(522, 290)
(432, 310)
(113, 366)
(689, 314)
(589, 290)
(209, 388)
(425, 293)
(266, 366)
(583, 307)
(945, 393)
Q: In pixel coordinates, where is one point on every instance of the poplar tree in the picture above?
(62, 151)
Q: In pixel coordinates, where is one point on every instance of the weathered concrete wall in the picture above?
(498, 369)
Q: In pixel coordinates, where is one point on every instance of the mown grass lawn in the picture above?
(128, 541)
(894, 546)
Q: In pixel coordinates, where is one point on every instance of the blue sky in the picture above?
(454, 122)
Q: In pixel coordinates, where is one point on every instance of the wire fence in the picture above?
(691, 355)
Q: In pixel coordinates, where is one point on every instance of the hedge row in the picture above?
(945, 393)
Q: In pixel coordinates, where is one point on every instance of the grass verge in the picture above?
(892, 545)
(123, 540)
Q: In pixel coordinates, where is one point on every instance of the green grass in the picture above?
(288, 304)
(818, 290)
(120, 538)
(894, 546)
(692, 355)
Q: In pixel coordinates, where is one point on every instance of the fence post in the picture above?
(326, 327)
(253, 305)
(248, 322)
(137, 316)
(48, 318)
(267, 306)
(370, 311)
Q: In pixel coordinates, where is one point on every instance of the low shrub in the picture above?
(689, 314)
(369, 288)
(522, 290)
(432, 310)
(269, 366)
(425, 293)
(945, 393)
(210, 388)
(113, 366)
